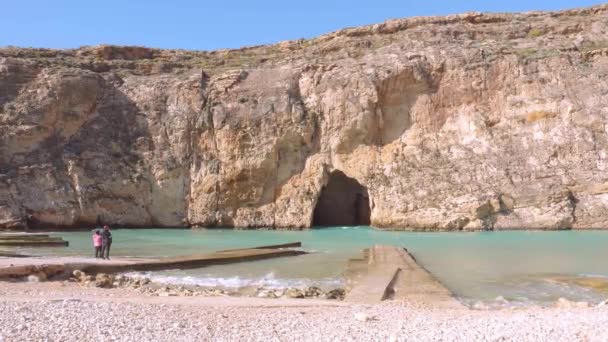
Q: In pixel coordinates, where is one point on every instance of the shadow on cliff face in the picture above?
(14, 76)
(343, 202)
(89, 172)
(397, 97)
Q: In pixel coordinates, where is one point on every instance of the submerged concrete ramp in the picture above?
(388, 272)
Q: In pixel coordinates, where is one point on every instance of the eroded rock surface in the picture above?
(466, 122)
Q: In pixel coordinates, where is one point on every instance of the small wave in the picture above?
(267, 281)
(592, 275)
(317, 251)
(497, 303)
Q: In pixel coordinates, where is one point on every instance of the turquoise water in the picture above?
(520, 266)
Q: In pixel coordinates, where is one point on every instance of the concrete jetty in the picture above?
(279, 246)
(30, 240)
(20, 267)
(12, 254)
(389, 272)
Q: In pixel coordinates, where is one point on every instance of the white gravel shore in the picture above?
(55, 312)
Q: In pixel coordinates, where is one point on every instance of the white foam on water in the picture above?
(316, 251)
(267, 281)
(591, 275)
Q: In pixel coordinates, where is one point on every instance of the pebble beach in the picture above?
(56, 311)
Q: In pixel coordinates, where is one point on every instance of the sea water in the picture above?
(522, 267)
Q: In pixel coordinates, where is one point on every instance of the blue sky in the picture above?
(206, 25)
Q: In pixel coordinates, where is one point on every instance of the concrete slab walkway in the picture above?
(19, 267)
(389, 272)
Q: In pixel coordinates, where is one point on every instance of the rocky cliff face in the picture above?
(465, 122)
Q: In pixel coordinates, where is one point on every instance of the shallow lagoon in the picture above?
(521, 266)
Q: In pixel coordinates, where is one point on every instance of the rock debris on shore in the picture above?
(144, 285)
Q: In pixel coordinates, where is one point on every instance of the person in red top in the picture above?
(97, 244)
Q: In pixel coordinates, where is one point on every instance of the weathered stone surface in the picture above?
(104, 280)
(471, 121)
(294, 293)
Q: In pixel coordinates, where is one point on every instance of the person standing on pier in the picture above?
(106, 242)
(97, 243)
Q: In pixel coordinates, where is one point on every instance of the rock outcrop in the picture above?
(465, 122)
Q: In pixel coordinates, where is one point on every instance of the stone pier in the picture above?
(50, 266)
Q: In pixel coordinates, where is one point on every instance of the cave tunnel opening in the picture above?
(343, 202)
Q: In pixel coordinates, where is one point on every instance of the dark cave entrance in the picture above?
(343, 202)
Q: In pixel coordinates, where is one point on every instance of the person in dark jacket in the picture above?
(106, 242)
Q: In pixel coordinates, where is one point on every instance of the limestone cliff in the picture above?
(472, 121)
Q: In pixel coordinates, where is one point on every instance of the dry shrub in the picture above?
(533, 33)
